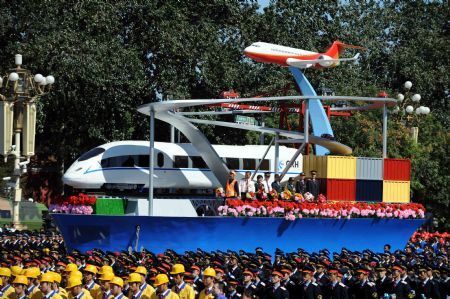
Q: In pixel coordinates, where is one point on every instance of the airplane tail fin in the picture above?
(338, 47)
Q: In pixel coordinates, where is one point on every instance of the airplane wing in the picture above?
(300, 63)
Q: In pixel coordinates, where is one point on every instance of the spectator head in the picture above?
(267, 175)
(302, 175)
(277, 177)
(232, 173)
(291, 180)
(218, 288)
(259, 178)
(248, 174)
(387, 248)
(313, 173)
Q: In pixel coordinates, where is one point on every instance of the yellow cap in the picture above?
(5, 272)
(73, 282)
(71, 267)
(117, 281)
(134, 277)
(141, 270)
(16, 270)
(177, 269)
(105, 269)
(21, 279)
(46, 251)
(76, 274)
(47, 277)
(57, 277)
(32, 272)
(107, 276)
(161, 279)
(91, 269)
(209, 272)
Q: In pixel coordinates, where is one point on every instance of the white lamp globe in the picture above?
(425, 110)
(395, 110)
(400, 97)
(409, 109)
(43, 82)
(38, 78)
(408, 84)
(13, 76)
(416, 98)
(419, 110)
(50, 79)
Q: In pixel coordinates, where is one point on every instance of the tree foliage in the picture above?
(110, 57)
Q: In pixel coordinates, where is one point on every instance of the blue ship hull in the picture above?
(114, 233)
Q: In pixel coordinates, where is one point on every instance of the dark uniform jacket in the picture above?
(313, 187)
(300, 186)
(365, 291)
(384, 286)
(276, 293)
(310, 291)
(402, 290)
(339, 291)
(235, 273)
(429, 290)
(292, 288)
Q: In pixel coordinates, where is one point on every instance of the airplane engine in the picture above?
(324, 61)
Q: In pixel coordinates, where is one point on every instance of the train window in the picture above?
(265, 165)
(249, 164)
(198, 162)
(119, 161)
(181, 162)
(92, 153)
(127, 161)
(143, 161)
(233, 163)
(160, 159)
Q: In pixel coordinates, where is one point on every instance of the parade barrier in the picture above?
(157, 234)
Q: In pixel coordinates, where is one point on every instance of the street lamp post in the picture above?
(19, 91)
(409, 110)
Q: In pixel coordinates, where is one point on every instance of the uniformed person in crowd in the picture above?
(364, 288)
(313, 184)
(338, 289)
(181, 288)
(19, 290)
(105, 287)
(247, 281)
(383, 283)
(233, 289)
(33, 291)
(45, 286)
(300, 185)
(89, 277)
(309, 289)
(218, 290)
(322, 280)
(163, 290)
(234, 271)
(426, 288)
(7, 291)
(400, 288)
(135, 282)
(146, 289)
(288, 283)
(116, 285)
(56, 286)
(198, 284)
(76, 290)
(209, 275)
(276, 290)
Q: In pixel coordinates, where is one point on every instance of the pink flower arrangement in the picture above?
(338, 210)
(71, 209)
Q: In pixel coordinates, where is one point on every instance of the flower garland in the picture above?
(293, 210)
(74, 204)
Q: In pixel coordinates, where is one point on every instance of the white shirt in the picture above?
(246, 185)
(267, 186)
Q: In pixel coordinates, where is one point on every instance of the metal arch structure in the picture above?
(165, 111)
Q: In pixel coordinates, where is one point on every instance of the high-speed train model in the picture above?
(124, 165)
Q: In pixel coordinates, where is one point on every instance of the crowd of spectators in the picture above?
(39, 260)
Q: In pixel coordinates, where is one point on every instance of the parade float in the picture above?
(364, 202)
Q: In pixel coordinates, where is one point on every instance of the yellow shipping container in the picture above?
(396, 191)
(331, 167)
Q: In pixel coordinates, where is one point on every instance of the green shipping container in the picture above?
(110, 206)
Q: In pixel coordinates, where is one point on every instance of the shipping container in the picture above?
(330, 167)
(369, 168)
(397, 170)
(339, 190)
(369, 190)
(396, 191)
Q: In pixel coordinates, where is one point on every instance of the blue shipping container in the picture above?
(369, 190)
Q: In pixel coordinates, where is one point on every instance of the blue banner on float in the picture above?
(114, 233)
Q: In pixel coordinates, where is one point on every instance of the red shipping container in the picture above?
(339, 190)
(397, 170)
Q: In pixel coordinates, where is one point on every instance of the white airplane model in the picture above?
(287, 56)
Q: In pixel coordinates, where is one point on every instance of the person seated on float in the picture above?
(162, 285)
(19, 290)
(184, 290)
(246, 185)
(232, 186)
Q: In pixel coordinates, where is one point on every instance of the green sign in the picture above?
(247, 120)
